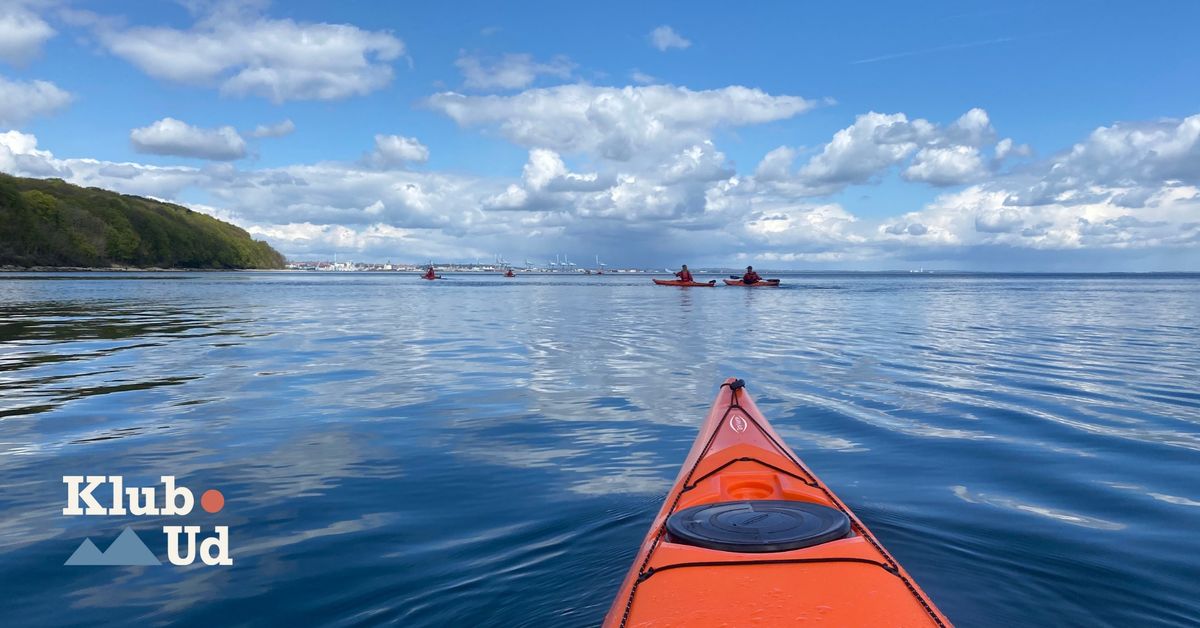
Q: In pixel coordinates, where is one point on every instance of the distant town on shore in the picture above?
(497, 266)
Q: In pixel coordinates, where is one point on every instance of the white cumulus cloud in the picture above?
(396, 150)
(617, 123)
(776, 165)
(545, 181)
(876, 142)
(246, 54)
(175, 137)
(1006, 148)
(20, 101)
(286, 127)
(641, 78)
(20, 155)
(701, 162)
(22, 33)
(820, 225)
(665, 38)
(948, 165)
(546, 170)
(1126, 155)
(873, 143)
(510, 71)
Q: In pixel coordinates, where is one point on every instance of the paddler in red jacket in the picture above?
(685, 275)
(751, 276)
(429, 274)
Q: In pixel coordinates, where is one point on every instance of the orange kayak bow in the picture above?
(748, 535)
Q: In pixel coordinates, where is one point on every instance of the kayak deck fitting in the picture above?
(748, 535)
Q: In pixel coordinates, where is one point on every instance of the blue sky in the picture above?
(973, 135)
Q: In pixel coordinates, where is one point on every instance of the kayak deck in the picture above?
(685, 284)
(765, 283)
(738, 457)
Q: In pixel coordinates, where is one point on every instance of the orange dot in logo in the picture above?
(212, 500)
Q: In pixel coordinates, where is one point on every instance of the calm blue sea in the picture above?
(483, 451)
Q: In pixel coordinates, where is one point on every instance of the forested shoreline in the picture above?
(49, 223)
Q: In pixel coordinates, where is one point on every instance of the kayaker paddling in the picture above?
(429, 273)
(685, 274)
(750, 277)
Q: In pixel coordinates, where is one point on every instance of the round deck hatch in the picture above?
(758, 525)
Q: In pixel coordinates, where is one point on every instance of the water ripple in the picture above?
(485, 452)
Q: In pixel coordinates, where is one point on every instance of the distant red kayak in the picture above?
(685, 284)
(430, 278)
(765, 283)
